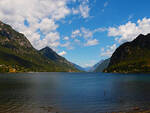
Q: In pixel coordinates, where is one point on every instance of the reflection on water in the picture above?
(73, 92)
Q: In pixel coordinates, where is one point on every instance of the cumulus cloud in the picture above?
(75, 11)
(83, 9)
(101, 29)
(77, 41)
(130, 30)
(66, 38)
(67, 44)
(47, 25)
(108, 51)
(51, 40)
(87, 33)
(41, 17)
(62, 53)
(126, 32)
(76, 33)
(91, 42)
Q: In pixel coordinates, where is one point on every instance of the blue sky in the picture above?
(83, 31)
(114, 14)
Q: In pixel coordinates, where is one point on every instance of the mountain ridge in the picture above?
(16, 52)
(132, 57)
(102, 65)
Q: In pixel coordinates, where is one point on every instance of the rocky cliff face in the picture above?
(132, 57)
(10, 36)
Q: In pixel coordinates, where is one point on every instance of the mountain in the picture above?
(95, 66)
(61, 61)
(102, 65)
(87, 69)
(17, 54)
(79, 67)
(90, 68)
(132, 57)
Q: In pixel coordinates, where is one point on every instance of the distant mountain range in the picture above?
(94, 67)
(79, 67)
(131, 57)
(98, 67)
(18, 55)
(88, 69)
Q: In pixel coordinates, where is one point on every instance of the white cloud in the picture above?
(130, 31)
(67, 44)
(62, 53)
(75, 11)
(77, 41)
(51, 40)
(99, 30)
(66, 38)
(83, 9)
(40, 14)
(109, 51)
(47, 25)
(76, 33)
(92, 42)
(126, 32)
(87, 33)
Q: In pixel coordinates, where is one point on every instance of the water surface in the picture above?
(73, 92)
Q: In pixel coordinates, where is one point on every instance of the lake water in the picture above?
(73, 92)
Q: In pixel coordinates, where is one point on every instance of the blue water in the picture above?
(73, 92)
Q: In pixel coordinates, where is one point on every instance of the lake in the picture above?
(73, 92)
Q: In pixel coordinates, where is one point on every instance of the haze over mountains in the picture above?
(103, 65)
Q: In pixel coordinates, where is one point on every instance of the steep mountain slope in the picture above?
(102, 65)
(132, 57)
(87, 69)
(17, 53)
(95, 66)
(79, 67)
(61, 61)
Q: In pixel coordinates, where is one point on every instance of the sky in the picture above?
(82, 31)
